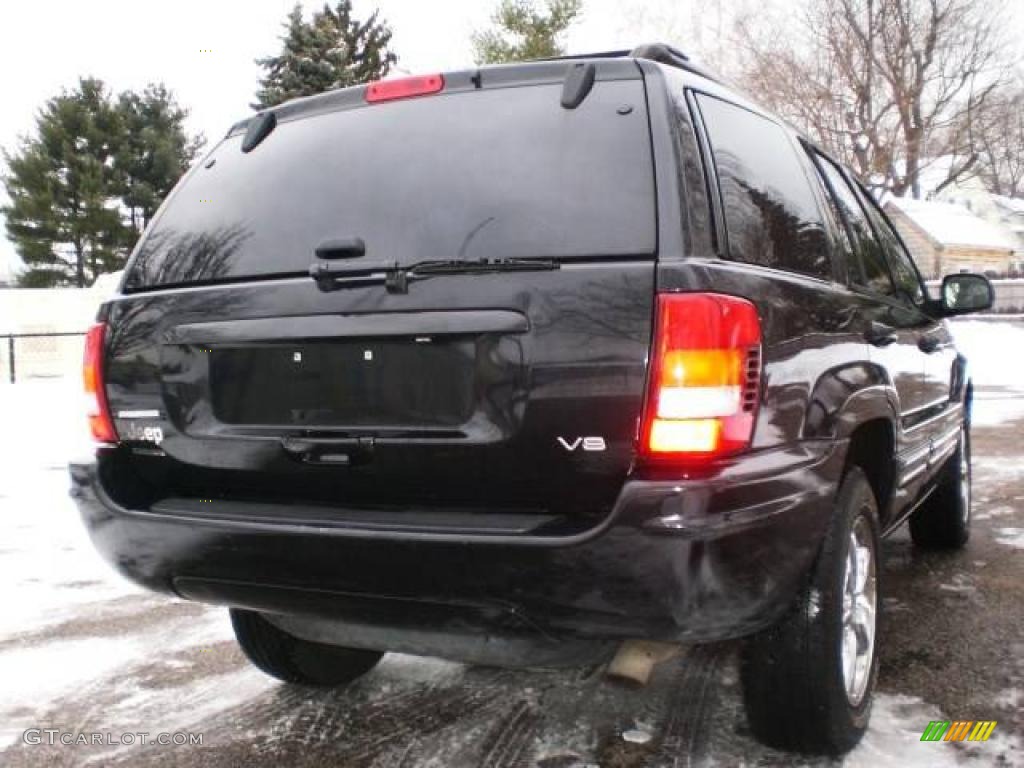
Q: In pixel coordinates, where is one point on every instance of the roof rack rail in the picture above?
(620, 54)
(659, 52)
(673, 57)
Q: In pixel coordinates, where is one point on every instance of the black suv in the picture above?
(509, 365)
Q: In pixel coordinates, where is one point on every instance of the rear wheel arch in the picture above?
(872, 447)
(846, 396)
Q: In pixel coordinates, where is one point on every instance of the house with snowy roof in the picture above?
(1006, 213)
(1009, 212)
(948, 237)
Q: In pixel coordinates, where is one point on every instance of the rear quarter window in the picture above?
(771, 214)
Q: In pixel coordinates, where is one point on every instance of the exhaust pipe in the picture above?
(635, 659)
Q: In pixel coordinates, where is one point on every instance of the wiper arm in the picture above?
(327, 276)
(397, 278)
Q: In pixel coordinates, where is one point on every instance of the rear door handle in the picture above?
(840, 320)
(880, 335)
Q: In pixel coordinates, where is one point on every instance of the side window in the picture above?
(867, 265)
(904, 273)
(771, 214)
(836, 216)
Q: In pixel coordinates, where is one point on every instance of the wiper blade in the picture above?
(397, 280)
(397, 277)
(487, 265)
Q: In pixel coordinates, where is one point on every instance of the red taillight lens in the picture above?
(100, 423)
(403, 88)
(704, 378)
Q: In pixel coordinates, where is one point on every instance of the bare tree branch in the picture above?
(888, 86)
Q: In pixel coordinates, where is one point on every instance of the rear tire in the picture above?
(293, 660)
(808, 681)
(944, 520)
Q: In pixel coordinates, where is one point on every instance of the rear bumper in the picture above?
(678, 559)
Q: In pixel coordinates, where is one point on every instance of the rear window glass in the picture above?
(490, 173)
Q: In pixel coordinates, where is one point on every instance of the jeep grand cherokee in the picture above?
(509, 365)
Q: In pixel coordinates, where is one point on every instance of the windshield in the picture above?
(501, 173)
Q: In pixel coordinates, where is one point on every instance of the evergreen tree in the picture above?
(62, 216)
(85, 185)
(153, 150)
(332, 50)
(522, 32)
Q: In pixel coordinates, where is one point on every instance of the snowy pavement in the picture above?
(81, 650)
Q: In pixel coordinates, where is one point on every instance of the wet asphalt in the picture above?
(952, 647)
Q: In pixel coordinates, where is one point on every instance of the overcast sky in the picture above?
(45, 45)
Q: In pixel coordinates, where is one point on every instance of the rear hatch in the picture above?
(473, 346)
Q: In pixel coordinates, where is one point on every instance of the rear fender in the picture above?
(845, 397)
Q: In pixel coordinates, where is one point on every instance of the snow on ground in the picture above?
(1011, 698)
(996, 511)
(36, 678)
(53, 577)
(894, 738)
(46, 552)
(995, 361)
(1013, 537)
(994, 351)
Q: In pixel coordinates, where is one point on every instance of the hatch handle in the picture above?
(880, 335)
(339, 451)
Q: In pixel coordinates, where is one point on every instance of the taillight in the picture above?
(403, 87)
(100, 423)
(704, 378)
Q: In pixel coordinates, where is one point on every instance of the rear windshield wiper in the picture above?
(397, 277)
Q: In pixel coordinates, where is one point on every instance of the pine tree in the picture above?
(153, 151)
(332, 50)
(85, 185)
(62, 216)
(522, 32)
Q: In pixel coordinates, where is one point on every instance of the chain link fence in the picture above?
(41, 355)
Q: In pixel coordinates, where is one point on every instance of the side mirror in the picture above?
(964, 293)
